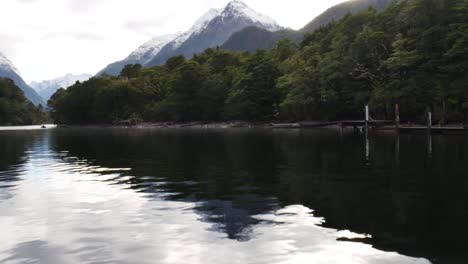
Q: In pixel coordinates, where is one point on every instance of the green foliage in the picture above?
(414, 53)
(131, 71)
(15, 109)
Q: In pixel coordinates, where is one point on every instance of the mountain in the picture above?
(142, 55)
(47, 88)
(339, 11)
(213, 29)
(8, 70)
(252, 38)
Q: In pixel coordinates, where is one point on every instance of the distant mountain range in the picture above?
(236, 27)
(8, 70)
(47, 88)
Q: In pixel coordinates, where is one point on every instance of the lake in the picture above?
(232, 196)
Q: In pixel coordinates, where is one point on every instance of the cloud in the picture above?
(86, 35)
(144, 26)
(8, 43)
(80, 35)
(82, 5)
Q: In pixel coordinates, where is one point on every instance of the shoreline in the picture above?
(245, 125)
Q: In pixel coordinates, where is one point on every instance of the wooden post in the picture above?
(367, 147)
(429, 120)
(367, 117)
(397, 116)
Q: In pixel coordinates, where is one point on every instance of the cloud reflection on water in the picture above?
(66, 211)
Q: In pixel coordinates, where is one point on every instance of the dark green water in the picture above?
(236, 196)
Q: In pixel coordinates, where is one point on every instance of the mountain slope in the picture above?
(47, 88)
(213, 29)
(8, 70)
(339, 11)
(251, 39)
(15, 108)
(141, 55)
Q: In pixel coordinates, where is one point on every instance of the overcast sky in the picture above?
(46, 39)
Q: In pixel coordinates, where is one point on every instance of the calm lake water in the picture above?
(238, 196)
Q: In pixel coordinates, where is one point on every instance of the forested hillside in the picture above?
(15, 109)
(337, 12)
(415, 53)
(253, 38)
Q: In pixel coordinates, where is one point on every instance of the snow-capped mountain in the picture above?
(47, 88)
(141, 55)
(210, 30)
(213, 29)
(239, 9)
(8, 70)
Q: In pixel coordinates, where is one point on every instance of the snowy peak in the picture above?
(148, 50)
(213, 29)
(197, 27)
(238, 8)
(206, 18)
(6, 64)
(141, 55)
(234, 10)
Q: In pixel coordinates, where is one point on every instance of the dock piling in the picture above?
(429, 120)
(367, 117)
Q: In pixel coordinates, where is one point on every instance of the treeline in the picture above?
(15, 109)
(415, 54)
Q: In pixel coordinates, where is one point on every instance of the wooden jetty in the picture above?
(369, 123)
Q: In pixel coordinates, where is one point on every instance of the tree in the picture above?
(131, 71)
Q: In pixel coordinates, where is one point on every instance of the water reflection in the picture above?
(142, 196)
(13, 154)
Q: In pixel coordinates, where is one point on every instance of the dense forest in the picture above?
(414, 53)
(15, 109)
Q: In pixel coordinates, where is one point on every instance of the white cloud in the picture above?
(49, 38)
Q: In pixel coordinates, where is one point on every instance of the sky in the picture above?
(46, 39)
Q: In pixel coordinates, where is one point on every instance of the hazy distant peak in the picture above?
(6, 64)
(48, 87)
